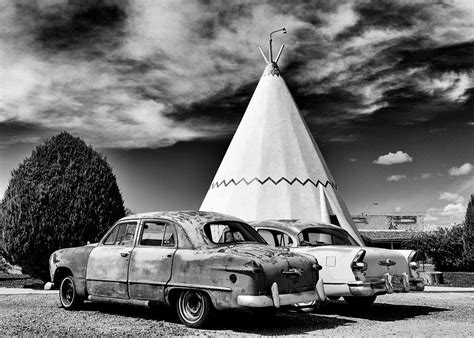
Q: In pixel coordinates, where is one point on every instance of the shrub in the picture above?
(443, 246)
(63, 195)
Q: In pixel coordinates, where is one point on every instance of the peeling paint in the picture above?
(153, 273)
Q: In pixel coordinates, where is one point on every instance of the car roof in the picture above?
(192, 221)
(187, 216)
(294, 226)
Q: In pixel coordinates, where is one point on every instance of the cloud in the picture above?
(352, 160)
(396, 177)
(450, 86)
(152, 73)
(426, 176)
(453, 210)
(393, 158)
(430, 218)
(447, 196)
(464, 169)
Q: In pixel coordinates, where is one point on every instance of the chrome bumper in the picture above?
(276, 300)
(364, 289)
(388, 284)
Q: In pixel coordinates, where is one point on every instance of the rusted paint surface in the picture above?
(74, 259)
(107, 271)
(223, 271)
(107, 289)
(149, 272)
(190, 221)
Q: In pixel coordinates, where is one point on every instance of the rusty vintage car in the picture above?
(357, 273)
(194, 261)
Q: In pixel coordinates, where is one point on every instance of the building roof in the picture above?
(388, 235)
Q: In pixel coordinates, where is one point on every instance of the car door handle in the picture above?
(124, 254)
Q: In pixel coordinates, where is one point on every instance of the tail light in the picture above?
(414, 266)
(358, 266)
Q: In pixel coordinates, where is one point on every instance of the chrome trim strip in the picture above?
(197, 286)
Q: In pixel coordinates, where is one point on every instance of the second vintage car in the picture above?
(357, 273)
(193, 261)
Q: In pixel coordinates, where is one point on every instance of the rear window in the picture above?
(316, 237)
(231, 233)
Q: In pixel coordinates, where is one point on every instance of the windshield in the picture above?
(317, 237)
(231, 233)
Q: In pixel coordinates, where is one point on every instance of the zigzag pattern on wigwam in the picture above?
(269, 179)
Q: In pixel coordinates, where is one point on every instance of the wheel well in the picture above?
(173, 295)
(59, 274)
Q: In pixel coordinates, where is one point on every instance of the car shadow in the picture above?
(285, 322)
(378, 311)
(159, 312)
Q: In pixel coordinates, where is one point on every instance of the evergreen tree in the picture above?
(468, 236)
(63, 195)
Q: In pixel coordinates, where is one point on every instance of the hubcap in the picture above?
(191, 306)
(67, 292)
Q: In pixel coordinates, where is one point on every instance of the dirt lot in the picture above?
(418, 314)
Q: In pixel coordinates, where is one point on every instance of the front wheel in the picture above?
(194, 308)
(68, 294)
(363, 302)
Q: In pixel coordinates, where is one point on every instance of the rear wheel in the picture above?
(194, 308)
(361, 301)
(68, 294)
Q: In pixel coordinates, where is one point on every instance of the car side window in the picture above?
(157, 234)
(267, 236)
(122, 234)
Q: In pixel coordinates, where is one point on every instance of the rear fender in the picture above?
(335, 261)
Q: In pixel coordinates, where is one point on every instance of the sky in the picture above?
(159, 87)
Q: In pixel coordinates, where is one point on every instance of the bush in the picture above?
(63, 195)
(444, 247)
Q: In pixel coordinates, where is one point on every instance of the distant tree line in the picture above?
(449, 249)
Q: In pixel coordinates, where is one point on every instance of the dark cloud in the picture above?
(456, 57)
(89, 28)
(177, 70)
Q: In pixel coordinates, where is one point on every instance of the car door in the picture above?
(107, 268)
(151, 260)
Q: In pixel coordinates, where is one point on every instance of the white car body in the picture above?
(349, 270)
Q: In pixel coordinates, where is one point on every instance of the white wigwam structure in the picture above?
(273, 168)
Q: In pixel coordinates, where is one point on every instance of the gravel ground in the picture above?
(420, 314)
